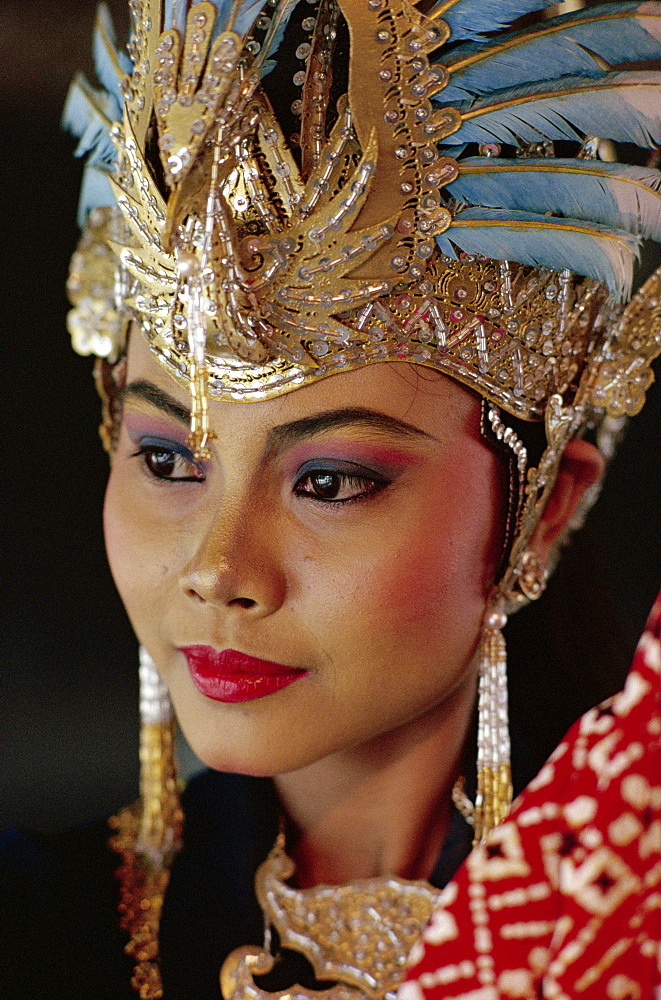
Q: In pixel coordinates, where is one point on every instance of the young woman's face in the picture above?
(342, 542)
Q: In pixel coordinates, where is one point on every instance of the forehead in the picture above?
(422, 397)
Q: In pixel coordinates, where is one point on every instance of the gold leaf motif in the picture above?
(237, 983)
(359, 934)
(185, 108)
(621, 373)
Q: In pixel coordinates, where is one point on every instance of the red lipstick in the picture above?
(231, 676)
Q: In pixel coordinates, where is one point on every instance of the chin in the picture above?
(258, 754)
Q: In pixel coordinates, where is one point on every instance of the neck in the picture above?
(382, 807)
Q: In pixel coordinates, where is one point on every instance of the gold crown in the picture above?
(252, 271)
(515, 333)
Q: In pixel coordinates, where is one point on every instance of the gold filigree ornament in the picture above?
(250, 277)
(357, 935)
(612, 385)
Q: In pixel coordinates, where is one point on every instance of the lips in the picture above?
(231, 676)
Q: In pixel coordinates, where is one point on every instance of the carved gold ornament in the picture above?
(357, 936)
(253, 271)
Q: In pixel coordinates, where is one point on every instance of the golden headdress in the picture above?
(262, 263)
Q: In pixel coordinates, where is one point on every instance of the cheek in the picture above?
(123, 543)
(141, 560)
(418, 590)
(423, 596)
(446, 559)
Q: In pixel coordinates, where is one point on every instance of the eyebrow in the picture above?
(285, 434)
(151, 394)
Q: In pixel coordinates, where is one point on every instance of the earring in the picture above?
(159, 833)
(494, 776)
(532, 575)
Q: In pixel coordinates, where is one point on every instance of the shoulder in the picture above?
(60, 937)
(581, 850)
(58, 916)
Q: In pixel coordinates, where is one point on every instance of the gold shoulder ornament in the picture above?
(356, 936)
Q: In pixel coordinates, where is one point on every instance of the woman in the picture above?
(306, 572)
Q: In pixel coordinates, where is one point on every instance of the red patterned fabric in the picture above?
(564, 899)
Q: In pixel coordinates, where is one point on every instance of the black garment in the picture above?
(214, 888)
(59, 928)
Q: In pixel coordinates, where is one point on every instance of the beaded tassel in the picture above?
(148, 834)
(161, 817)
(494, 781)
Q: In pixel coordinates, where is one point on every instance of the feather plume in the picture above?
(538, 240)
(110, 64)
(88, 115)
(243, 11)
(611, 194)
(95, 191)
(243, 14)
(473, 18)
(246, 16)
(617, 32)
(625, 107)
(174, 15)
(274, 41)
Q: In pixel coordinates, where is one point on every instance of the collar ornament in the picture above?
(357, 935)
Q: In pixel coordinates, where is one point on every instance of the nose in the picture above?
(236, 564)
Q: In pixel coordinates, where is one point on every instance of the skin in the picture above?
(378, 599)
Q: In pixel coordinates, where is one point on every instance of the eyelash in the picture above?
(370, 485)
(179, 457)
(342, 479)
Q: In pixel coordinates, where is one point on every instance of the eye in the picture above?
(169, 461)
(337, 486)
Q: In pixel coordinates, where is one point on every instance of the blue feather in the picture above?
(241, 14)
(540, 241)
(611, 194)
(473, 18)
(88, 114)
(625, 107)
(87, 110)
(617, 32)
(273, 43)
(95, 192)
(244, 12)
(247, 14)
(109, 64)
(95, 144)
(174, 15)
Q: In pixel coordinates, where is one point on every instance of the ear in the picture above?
(110, 378)
(581, 466)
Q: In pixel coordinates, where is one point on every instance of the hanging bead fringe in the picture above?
(148, 834)
(494, 777)
(161, 817)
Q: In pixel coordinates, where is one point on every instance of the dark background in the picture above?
(68, 686)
